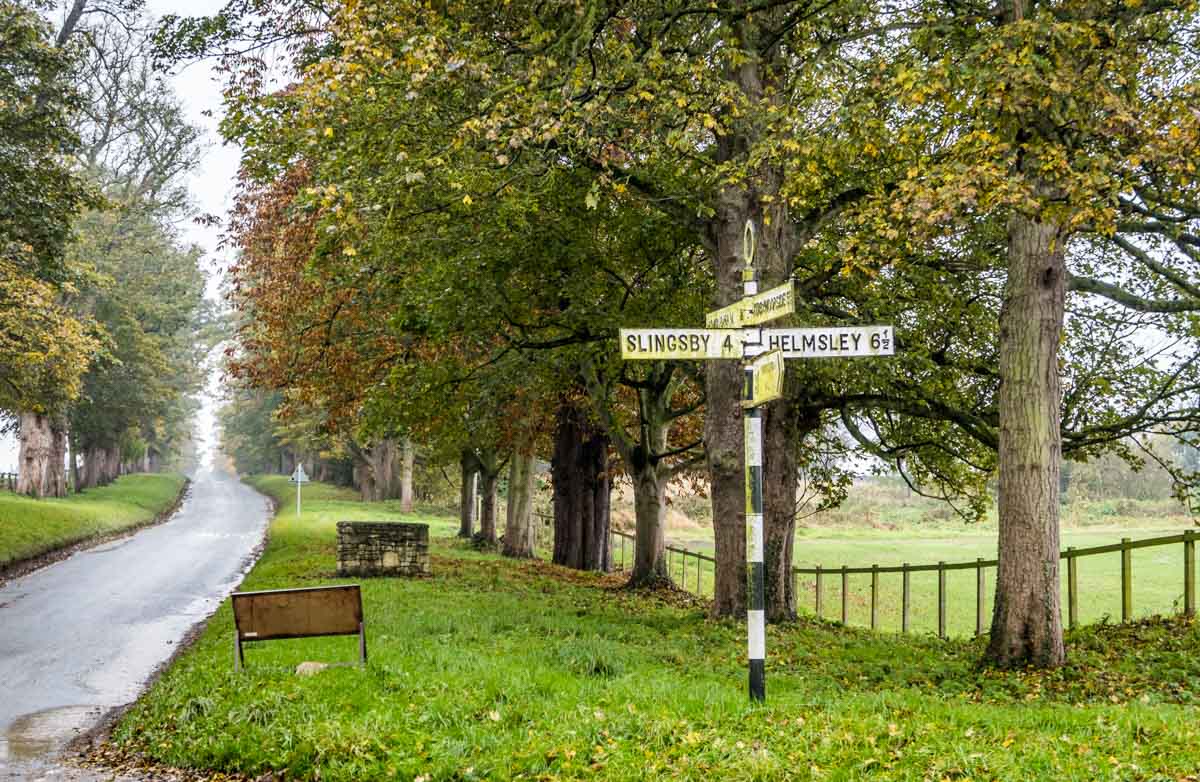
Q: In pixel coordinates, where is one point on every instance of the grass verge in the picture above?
(30, 528)
(493, 669)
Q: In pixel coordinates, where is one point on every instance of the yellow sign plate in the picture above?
(659, 344)
(756, 309)
(768, 378)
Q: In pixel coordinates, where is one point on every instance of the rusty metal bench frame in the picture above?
(309, 612)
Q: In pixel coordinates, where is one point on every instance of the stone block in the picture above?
(367, 548)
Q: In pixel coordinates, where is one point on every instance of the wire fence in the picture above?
(699, 576)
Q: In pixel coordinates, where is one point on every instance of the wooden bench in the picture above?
(298, 613)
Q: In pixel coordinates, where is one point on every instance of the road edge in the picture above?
(23, 567)
(91, 749)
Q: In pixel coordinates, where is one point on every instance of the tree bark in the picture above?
(650, 545)
(383, 465)
(73, 462)
(41, 460)
(723, 436)
(582, 489)
(489, 474)
(780, 439)
(723, 432)
(520, 533)
(470, 466)
(407, 457)
(112, 463)
(366, 480)
(1026, 620)
(88, 474)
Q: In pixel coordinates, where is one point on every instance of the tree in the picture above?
(1047, 127)
(44, 348)
(582, 489)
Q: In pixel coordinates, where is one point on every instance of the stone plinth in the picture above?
(370, 548)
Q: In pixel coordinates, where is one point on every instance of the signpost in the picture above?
(732, 334)
(299, 477)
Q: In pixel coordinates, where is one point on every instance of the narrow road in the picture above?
(83, 635)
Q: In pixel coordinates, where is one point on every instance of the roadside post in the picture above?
(735, 332)
(299, 478)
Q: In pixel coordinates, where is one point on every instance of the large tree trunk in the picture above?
(407, 457)
(1026, 621)
(90, 474)
(470, 467)
(520, 533)
(383, 463)
(582, 489)
(489, 474)
(112, 463)
(73, 462)
(780, 437)
(650, 510)
(41, 460)
(723, 436)
(723, 433)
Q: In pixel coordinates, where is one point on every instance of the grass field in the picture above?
(31, 527)
(1157, 574)
(494, 669)
(882, 523)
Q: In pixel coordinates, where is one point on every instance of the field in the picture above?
(884, 524)
(494, 669)
(31, 527)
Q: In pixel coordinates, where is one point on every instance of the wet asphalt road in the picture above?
(82, 636)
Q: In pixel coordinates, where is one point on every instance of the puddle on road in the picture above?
(37, 735)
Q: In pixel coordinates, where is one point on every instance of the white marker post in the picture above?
(730, 335)
(299, 478)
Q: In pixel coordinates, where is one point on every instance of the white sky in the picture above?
(211, 185)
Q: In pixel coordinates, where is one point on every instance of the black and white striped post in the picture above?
(756, 623)
(735, 332)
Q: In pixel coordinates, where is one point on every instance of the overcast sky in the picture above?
(211, 184)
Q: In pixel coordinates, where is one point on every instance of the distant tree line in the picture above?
(102, 315)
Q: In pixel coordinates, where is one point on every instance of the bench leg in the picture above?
(362, 644)
(238, 659)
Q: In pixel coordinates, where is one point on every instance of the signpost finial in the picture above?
(748, 243)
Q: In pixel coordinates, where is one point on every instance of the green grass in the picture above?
(31, 527)
(882, 523)
(493, 669)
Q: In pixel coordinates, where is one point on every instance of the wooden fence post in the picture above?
(845, 596)
(683, 570)
(622, 553)
(699, 572)
(904, 601)
(1189, 573)
(874, 596)
(941, 600)
(1072, 589)
(1126, 581)
(980, 590)
(818, 590)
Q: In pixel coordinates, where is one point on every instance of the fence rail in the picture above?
(677, 558)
